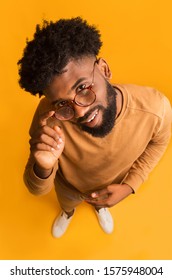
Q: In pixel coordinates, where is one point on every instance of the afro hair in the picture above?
(54, 44)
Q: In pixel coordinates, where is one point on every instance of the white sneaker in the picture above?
(61, 224)
(105, 220)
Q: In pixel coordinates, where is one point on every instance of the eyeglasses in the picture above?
(85, 97)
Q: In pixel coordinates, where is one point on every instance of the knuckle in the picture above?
(41, 122)
(43, 129)
(54, 144)
(108, 188)
(55, 136)
(32, 144)
(37, 147)
(42, 137)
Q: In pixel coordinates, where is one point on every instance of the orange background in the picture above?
(138, 47)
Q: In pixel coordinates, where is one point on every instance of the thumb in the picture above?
(44, 118)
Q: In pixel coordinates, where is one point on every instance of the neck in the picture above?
(119, 102)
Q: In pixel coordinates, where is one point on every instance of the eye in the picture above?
(61, 103)
(81, 87)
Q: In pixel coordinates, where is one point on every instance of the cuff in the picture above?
(36, 185)
(134, 180)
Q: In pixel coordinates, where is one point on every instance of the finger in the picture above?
(56, 134)
(48, 136)
(100, 193)
(43, 147)
(59, 131)
(47, 140)
(103, 199)
(46, 130)
(44, 117)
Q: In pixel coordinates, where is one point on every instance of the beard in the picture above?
(108, 117)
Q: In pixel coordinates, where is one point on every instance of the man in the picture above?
(95, 141)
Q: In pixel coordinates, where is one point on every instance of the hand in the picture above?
(47, 143)
(109, 196)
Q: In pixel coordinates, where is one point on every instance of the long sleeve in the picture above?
(36, 185)
(141, 168)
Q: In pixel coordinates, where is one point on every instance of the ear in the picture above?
(104, 68)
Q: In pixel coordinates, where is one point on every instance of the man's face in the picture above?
(108, 115)
(98, 118)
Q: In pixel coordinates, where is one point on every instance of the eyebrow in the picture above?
(57, 100)
(72, 88)
(77, 83)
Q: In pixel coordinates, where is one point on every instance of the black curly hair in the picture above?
(53, 46)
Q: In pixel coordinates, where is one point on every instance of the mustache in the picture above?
(85, 117)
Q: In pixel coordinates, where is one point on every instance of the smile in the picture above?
(93, 117)
(92, 120)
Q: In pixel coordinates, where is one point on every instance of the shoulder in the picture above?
(146, 99)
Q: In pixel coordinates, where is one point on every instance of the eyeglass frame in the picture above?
(69, 102)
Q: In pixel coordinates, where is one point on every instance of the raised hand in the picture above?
(46, 143)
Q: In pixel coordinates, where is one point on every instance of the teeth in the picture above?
(93, 117)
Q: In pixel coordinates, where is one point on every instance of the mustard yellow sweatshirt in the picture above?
(126, 155)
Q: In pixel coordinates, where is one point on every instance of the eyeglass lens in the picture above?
(64, 113)
(84, 98)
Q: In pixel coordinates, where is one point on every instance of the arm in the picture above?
(34, 182)
(155, 149)
(46, 146)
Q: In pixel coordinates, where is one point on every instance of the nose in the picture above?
(80, 111)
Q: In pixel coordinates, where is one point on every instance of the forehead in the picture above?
(75, 71)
